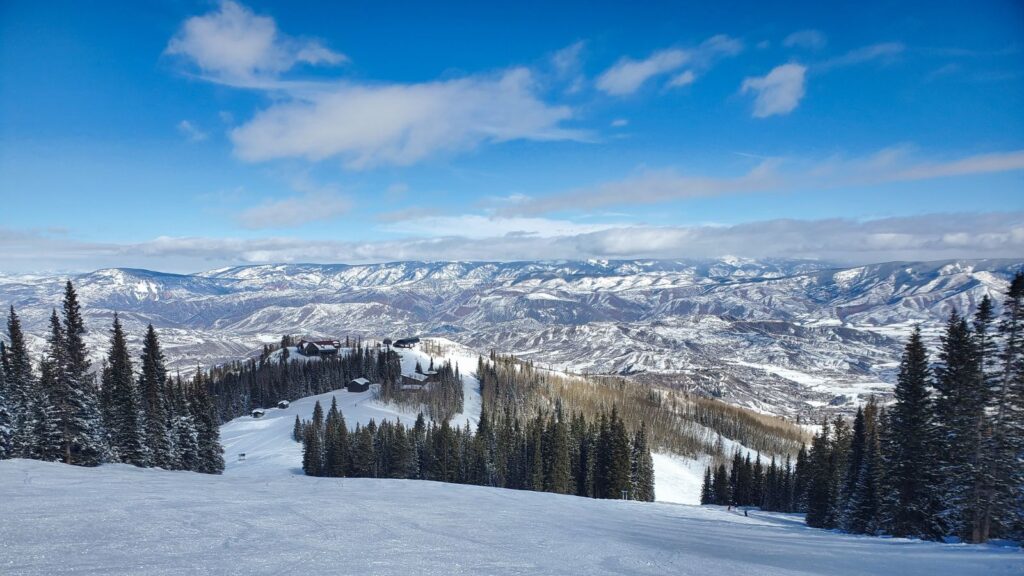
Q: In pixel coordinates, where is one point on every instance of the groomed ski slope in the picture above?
(117, 519)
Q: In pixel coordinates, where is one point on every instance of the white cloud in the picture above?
(628, 75)
(567, 60)
(683, 79)
(294, 211)
(884, 51)
(191, 131)
(399, 124)
(236, 46)
(925, 237)
(896, 164)
(779, 92)
(810, 39)
(619, 123)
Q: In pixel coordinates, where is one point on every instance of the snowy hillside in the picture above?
(118, 519)
(781, 336)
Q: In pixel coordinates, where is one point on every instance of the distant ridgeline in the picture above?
(58, 413)
(945, 460)
(548, 453)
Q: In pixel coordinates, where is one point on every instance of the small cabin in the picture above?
(358, 385)
(318, 347)
(283, 404)
(406, 342)
(257, 413)
(415, 381)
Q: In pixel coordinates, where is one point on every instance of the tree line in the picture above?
(550, 452)
(58, 413)
(945, 459)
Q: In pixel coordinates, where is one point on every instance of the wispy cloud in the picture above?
(777, 93)
(628, 75)
(925, 237)
(191, 131)
(897, 164)
(311, 202)
(236, 46)
(809, 39)
(400, 124)
(882, 52)
(361, 124)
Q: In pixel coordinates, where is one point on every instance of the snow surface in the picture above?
(270, 450)
(117, 519)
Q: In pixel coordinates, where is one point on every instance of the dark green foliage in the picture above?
(153, 401)
(502, 453)
(120, 402)
(910, 496)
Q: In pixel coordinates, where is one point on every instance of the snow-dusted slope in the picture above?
(738, 329)
(117, 519)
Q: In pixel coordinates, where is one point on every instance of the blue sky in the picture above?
(188, 135)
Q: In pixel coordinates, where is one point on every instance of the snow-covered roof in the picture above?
(416, 376)
(361, 381)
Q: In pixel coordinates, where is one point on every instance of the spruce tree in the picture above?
(77, 398)
(153, 401)
(820, 479)
(910, 498)
(858, 446)
(960, 398)
(6, 423)
(1003, 476)
(863, 507)
(45, 441)
(211, 453)
(642, 481)
(707, 494)
(21, 384)
(121, 402)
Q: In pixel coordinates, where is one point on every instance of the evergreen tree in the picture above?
(1002, 463)
(722, 489)
(44, 440)
(21, 384)
(959, 409)
(910, 495)
(120, 401)
(153, 401)
(862, 508)
(642, 480)
(858, 446)
(6, 422)
(707, 491)
(820, 479)
(210, 451)
(76, 396)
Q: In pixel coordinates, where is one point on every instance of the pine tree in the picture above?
(120, 401)
(153, 401)
(707, 493)
(839, 451)
(863, 506)
(858, 447)
(642, 481)
(721, 487)
(820, 479)
(959, 409)
(21, 384)
(77, 400)
(6, 422)
(211, 453)
(910, 498)
(44, 440)
(1003, 466)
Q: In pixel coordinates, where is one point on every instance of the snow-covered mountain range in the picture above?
(783, 336)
